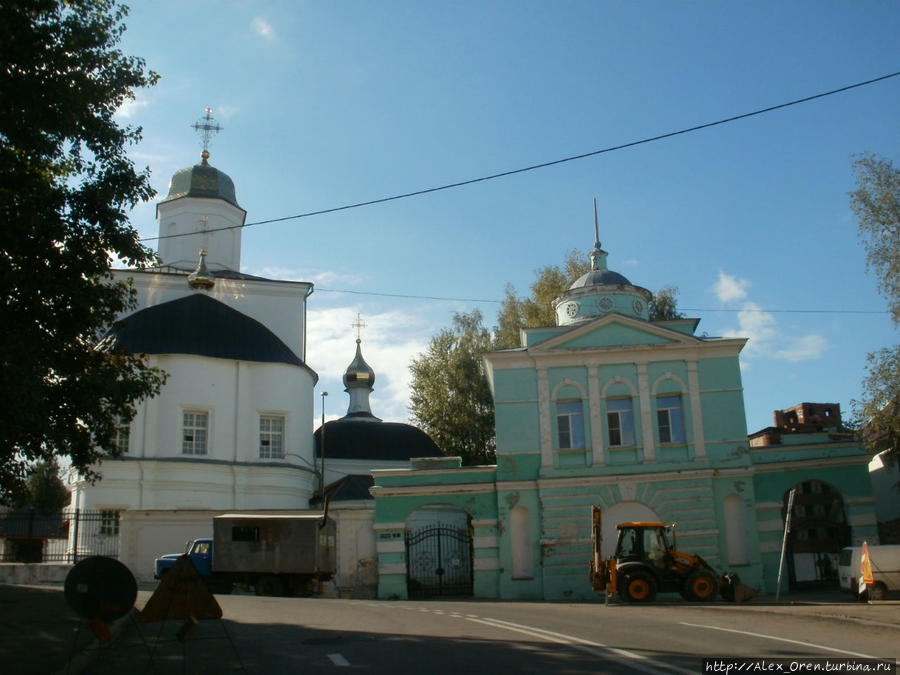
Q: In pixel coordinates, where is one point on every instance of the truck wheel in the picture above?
(877, 591)
(269, 585)
(639, 586)
(701, 586)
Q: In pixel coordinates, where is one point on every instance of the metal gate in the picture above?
(439, 561)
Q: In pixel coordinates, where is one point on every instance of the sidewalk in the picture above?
(40, 634)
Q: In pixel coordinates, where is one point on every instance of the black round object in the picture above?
(100, 588)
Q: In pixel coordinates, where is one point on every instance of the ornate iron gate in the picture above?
(439, 561)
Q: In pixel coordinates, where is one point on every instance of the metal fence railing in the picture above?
(67, 536)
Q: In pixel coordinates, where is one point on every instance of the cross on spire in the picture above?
(206, 127)
(359, 324)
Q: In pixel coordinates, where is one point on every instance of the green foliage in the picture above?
(66, 186)
(537, 309)
(44, 489)
(450, 399)
(664, 305)
(876, 203)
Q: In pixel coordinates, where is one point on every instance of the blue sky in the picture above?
(331, 103)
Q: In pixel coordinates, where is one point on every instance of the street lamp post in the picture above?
(322, 452)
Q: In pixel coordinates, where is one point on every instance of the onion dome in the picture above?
(202, 180)
(362, 436)
(201, 278)
(359, 382)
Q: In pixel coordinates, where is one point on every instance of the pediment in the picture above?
(613, 330)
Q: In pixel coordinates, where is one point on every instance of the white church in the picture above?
(232, 428)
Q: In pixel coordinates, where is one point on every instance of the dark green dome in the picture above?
(202, 180)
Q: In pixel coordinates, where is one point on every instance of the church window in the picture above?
(196, 425)
(109, 522)
(620, 421)
(670, 419)
(271, 437)
(122, 437)
(570, 424)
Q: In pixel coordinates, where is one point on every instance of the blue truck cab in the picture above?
(200, 551)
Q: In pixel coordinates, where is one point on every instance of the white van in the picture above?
(885, 570)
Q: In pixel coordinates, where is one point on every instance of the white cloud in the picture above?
(225, 110)
(806, 348)
(729, 288)
(130, 107)
(263, 28)
(767, 341)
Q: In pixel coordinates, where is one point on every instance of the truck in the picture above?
(285, 554)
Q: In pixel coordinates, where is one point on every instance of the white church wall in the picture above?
(190, 214)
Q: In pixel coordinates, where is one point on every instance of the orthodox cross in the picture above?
(206, 127)
(359, 324)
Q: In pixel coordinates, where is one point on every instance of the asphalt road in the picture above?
(287, 635)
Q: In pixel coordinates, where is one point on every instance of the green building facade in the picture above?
(644, 419)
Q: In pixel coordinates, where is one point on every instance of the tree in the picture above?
(450, 399)
(537, 309)
(44, 489)
(876, 203)
(66, 186)
(664, 305)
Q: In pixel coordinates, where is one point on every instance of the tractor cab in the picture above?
(643, 542)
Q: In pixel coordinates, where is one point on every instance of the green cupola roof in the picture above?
(202, 180)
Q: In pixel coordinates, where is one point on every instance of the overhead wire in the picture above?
(542, 165)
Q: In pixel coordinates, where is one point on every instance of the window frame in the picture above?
(571, 430)
(619, 415)
(266, 436)
(670, 422)
(195, 413)
(109, 522)
(123, 428)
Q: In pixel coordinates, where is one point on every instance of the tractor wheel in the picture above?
(701, 586)
(639, 586)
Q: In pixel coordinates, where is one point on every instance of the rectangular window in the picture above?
(244, 533)
(195, 428)
(620, 420)
(670, 419)
(271, 437)
(109, 522)
(570, 424)
(123, 436)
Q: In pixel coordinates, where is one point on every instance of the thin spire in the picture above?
(206, 127)
(598, 255)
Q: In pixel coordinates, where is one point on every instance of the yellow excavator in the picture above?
(645, 563)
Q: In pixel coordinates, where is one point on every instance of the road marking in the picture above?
(632, 659)
(779, 639)
(338, 660)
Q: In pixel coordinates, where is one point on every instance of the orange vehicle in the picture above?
(645, 563)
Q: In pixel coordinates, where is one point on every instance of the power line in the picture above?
(542, 165)
(682, 309)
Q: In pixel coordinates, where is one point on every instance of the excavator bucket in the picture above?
(731, 588)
